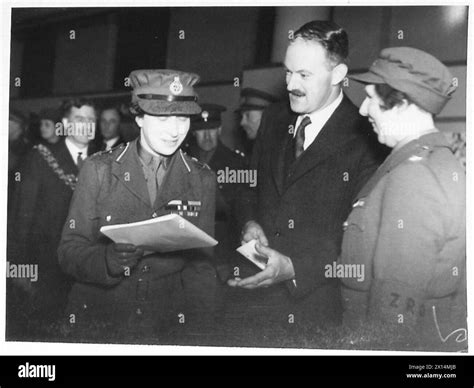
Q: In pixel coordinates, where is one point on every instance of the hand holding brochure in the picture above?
(162, 234)
(248, 251)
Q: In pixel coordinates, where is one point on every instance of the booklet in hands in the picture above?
(249, 252)
(162, 234)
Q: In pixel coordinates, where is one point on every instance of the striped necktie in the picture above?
(80, 162)
(300, 135)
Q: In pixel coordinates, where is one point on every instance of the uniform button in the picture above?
(360, 202)
(145, 268)
(108, 218)
(84, 306)
(220, 186)
(345, 225)
(139, 311)
(154, 215)
(140, 280)
(277, 233)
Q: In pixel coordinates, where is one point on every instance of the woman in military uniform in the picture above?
(406, 232)
(121, 294)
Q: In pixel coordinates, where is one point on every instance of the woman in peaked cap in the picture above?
(122, 293)
(407, 229)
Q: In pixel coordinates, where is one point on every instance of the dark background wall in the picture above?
(59, 52)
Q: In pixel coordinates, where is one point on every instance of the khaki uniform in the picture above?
(408, 231)
(163, 291)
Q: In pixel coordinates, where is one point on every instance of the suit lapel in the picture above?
(331, 137)
(129, 172)
(64, 158)
(279, 158)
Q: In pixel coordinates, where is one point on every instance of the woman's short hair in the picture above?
(390, 97)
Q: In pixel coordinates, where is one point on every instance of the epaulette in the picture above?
(420, 153)
(112, 151)
(198, 163)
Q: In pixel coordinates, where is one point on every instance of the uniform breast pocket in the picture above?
(108, 215)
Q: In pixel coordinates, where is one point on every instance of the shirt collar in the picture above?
(74, 149)
(321, 116)
(109, 143)
(148, 158)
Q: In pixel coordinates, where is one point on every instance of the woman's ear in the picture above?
(339, 73)
(139, 121)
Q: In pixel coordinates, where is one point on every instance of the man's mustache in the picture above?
(297, 93)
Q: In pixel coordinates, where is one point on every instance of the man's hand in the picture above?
(253, 231)
(279, 268)
(121, 256)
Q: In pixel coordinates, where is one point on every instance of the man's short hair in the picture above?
(112, 107)
(67, 105)
(390, 97)
(330, 35)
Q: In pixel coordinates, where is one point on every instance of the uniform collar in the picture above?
(148, 158)
(423, 143)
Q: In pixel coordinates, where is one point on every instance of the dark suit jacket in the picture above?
(38, 210)
(302, 205)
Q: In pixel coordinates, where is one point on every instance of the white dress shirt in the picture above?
(74, 150)
(318, 120)
(109, 143)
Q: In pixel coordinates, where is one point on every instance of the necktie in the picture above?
(158, 170)
(80, 162)
(160, 173)
(299, 138)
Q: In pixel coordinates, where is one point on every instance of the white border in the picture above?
(36, 348)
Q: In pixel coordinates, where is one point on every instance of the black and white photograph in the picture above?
(254, 176)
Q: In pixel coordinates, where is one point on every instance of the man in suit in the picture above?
(311, 162)
(120, 292)
(109, 124)
(43, 189)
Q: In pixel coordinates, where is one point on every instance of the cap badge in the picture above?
(205, 115)
(176, 87)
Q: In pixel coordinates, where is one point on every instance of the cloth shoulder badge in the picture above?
(69, 179)
(176, 87)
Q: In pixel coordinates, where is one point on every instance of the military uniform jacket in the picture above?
(301, 206)
(112, 190)
(407, 229)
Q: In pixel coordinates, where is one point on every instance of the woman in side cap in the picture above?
(406, 232)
